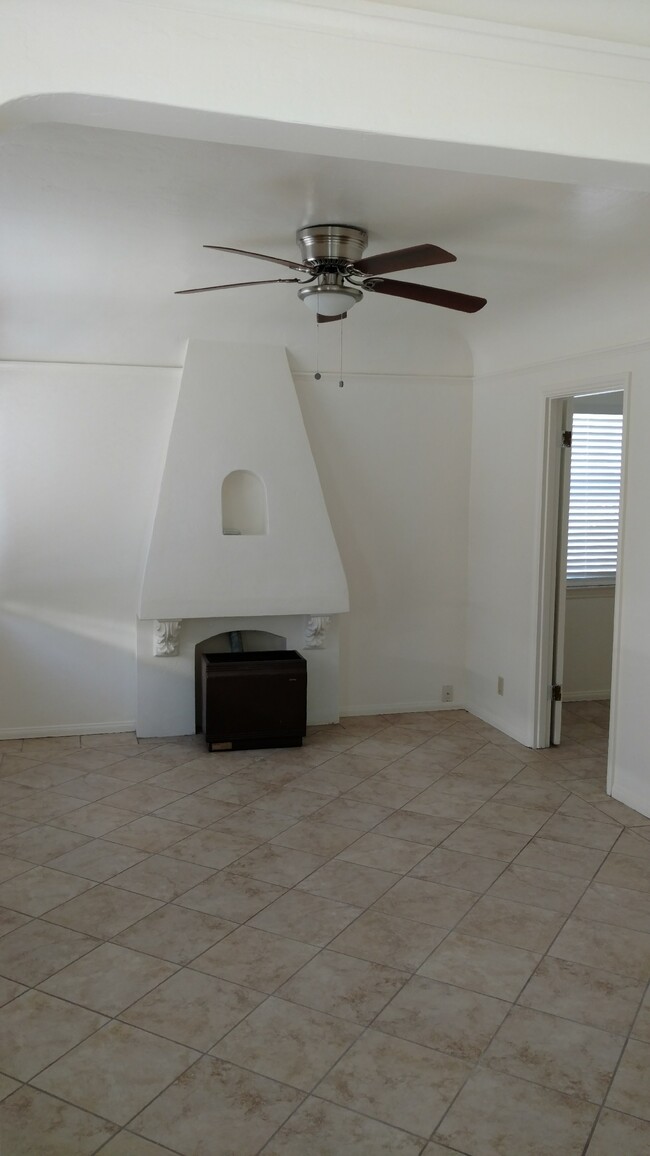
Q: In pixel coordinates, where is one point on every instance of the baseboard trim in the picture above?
(585, 695)
(66, 730)
(400, 708)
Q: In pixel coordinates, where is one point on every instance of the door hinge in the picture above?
(556, 692)
(566, 439)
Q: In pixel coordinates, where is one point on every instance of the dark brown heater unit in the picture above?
(252, 700)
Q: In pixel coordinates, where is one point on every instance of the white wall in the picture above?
(505, 535)
(81, 451)
(393, 459)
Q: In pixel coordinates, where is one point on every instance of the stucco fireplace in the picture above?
(240, 540)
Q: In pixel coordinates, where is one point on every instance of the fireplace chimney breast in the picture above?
(238, 443)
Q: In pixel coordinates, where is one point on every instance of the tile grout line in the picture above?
(614, 1074)
(372, 1022)
(233, 863)
(514, 1004)
(404, 875)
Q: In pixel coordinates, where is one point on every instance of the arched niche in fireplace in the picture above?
(244, 507)
(225, 643)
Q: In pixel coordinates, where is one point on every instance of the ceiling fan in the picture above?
(331, 255)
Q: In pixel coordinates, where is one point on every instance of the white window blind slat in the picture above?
(594, 496)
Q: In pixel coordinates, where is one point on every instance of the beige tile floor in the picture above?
(412, 936)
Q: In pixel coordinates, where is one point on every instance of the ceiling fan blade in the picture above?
(321, 318)
(413, 258)
(239, 284)
(429, 295)
(262, 257)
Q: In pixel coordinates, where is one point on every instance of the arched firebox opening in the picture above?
(227, 643)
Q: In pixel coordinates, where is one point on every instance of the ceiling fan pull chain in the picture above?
(341, 382)
(317, 375)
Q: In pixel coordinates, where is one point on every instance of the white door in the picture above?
(560, 574)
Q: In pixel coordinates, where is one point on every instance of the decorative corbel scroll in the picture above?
(316, 631)
(166, 633)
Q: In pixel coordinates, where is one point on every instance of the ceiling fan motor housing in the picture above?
(342, 244)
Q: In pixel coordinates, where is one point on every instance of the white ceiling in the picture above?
(99, 227)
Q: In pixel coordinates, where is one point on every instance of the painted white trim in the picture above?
(400, 708)
(604, 383)
(585, 695)
(548, 524)
(67, 729)
(534, 367)
(548, 538)
(618, 592)
(14, 366)
(434, 31)
(21, 362)
(545, 608)
(450, 379)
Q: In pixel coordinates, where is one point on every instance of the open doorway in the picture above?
(592, 565)
(580, 564)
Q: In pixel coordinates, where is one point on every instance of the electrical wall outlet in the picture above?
(500, 684)
(447, 694)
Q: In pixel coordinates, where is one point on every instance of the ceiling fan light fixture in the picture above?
(330, 300)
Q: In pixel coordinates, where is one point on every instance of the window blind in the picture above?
(594, 496)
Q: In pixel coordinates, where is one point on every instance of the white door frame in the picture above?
(554, 401)
(561, 550)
